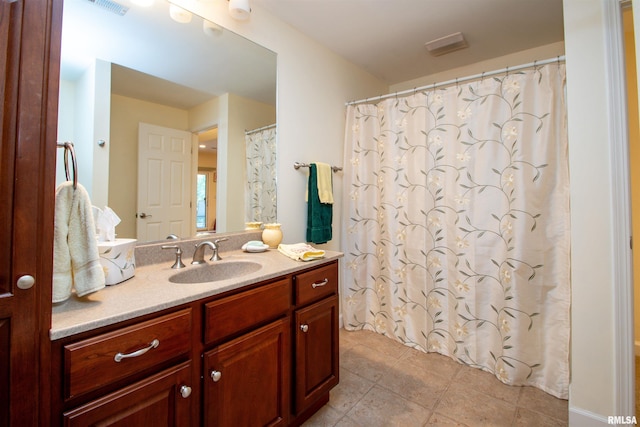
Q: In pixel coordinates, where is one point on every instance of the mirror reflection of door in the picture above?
(164, 182)
(201, 201)
(206, 187)
(206, 200)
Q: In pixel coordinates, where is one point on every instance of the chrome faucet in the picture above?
(198, 255)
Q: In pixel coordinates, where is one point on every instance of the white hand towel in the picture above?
(76, 262)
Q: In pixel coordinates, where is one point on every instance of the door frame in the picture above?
(624, 369)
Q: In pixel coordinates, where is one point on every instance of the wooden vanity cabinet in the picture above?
(162, 399)
(246, 379)
(136, 374)
(316, 328)
(263, 355)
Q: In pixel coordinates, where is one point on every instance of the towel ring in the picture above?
(68, 148)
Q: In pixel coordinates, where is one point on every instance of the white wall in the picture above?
(84, 119)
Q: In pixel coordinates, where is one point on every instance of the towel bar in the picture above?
(68, 147)
(299, 165)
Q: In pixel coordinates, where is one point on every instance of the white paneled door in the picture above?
(164, 182)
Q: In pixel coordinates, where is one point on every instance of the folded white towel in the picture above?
(76, 262)
(301, 251)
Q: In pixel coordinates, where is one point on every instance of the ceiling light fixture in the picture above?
(178, 14)
(446, 44)
(239, 9)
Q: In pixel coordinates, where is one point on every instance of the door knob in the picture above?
(216, 375)
(144, 215)
(25, 282)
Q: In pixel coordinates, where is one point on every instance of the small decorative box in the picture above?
(118, 260)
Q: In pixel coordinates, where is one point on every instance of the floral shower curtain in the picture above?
(260, 194)
(457, 237)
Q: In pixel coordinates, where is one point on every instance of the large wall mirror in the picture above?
(169, 115)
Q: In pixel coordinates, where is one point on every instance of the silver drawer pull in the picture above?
(318, 284)
(304, 328)
(119, 356)
(216, 375)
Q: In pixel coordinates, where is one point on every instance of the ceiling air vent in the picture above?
(111, 6)
(446, 44)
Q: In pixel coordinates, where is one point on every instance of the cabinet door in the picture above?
(161, 400)
(316, 351)
(247, 380)
(29, 40)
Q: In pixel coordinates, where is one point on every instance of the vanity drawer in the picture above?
(92, 363)
(316, 284)
(230, 315)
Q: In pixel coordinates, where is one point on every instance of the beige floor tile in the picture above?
(346, 421)
(537, 400)
(383, 383)
(487, 383)
(439, 420)
(383, 408)
(351, 389)
(325, 417)
(527, 418)
(444, 366)
(418, 384)
(468, 406)
(367, 362)
(381, 343)
(349, 339)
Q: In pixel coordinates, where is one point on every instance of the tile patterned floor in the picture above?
(383, 383)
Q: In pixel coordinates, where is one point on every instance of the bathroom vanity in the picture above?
(257, 349)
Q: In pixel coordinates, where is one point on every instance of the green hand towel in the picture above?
(319, 215)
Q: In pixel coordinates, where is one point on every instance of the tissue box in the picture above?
(118, 260)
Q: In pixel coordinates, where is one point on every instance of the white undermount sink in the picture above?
(215, 271)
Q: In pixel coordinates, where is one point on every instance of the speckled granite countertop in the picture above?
(150, 291)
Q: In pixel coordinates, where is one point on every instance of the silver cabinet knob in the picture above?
(216, 375)
(25, 282)
(304, 328)
(185, 391)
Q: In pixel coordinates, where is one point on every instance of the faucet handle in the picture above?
(216, 256)
(178, 263)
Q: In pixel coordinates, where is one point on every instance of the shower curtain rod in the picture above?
(460, 80)
(249, 132)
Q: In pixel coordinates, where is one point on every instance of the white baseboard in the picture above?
(582, 418)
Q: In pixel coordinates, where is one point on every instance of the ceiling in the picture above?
(387, 37)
